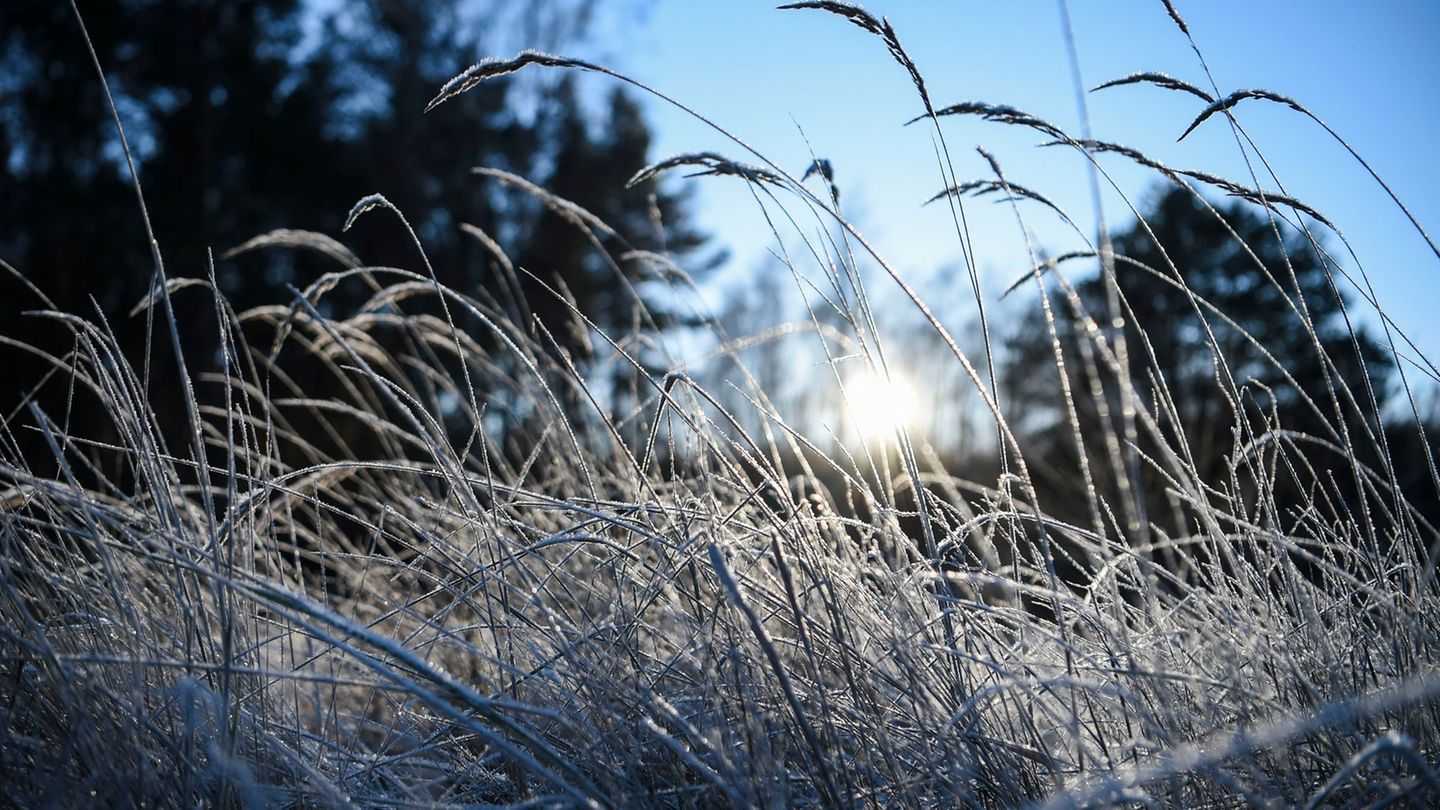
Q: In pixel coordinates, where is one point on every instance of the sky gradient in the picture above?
(780, 78)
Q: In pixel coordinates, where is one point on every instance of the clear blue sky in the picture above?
(1368, 69)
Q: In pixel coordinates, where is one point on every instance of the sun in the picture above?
(879, 406)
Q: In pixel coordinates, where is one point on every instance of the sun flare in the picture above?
(878, 406)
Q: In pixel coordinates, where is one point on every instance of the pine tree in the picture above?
(252, 115)
(1250, 285)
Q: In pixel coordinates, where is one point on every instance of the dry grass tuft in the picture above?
(351, 586)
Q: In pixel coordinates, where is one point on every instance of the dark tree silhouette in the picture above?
(1232, 329)
(220, 120)
(252, 115)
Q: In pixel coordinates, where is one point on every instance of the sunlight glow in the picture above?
(878, 407)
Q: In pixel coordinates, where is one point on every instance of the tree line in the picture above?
(248, 116)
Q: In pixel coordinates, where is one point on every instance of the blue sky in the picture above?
(1368, 69)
